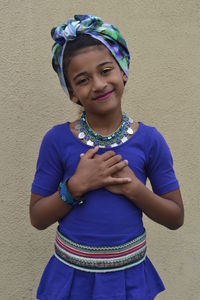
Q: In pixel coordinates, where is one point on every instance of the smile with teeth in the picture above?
(104, 96)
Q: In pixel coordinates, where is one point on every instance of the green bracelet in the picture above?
(67, 197)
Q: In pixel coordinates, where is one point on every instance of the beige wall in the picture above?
(163, 90)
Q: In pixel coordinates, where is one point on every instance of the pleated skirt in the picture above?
(62, 282)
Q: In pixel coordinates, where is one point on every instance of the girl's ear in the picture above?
(72, 96)
(125, 78)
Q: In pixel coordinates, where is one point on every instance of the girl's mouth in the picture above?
(103, 96)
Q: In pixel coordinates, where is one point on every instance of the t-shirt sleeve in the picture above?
(49, 169)
(160, 165)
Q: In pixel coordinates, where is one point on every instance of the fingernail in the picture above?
(126, 161)
(81, 154)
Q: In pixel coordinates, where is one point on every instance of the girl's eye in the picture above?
(82, 81)
(106, 70)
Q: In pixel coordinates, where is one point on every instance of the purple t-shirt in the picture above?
(105, 218)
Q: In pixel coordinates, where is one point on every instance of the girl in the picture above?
(91, 176)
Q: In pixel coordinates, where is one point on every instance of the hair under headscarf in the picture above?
(108, 34)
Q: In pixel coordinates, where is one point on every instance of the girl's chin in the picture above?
(109, 108)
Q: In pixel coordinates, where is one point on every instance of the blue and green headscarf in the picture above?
(108, 34)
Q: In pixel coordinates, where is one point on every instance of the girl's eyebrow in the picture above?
(100, 65)
(105, 63)
(79, 74)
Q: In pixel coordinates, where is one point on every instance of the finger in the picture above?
(113, 160)
(91, 152)
(117, 167)
(105, 156)
(114, 181)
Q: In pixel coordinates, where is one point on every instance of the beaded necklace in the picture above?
(92, 138)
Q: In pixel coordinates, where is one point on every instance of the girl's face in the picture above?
(95, 80)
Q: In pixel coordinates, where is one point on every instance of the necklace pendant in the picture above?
(114, 145)
(130, 120)
(78, 126)
(124, 139)
(90, 143)
(130, 130)
(81, 135)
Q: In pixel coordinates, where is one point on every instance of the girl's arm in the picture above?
(166, 210)
(44, 211)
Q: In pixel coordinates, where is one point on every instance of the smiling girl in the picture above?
(91, 176)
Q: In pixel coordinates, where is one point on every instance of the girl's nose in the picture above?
(98, 83)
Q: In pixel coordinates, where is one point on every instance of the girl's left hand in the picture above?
(125, 188)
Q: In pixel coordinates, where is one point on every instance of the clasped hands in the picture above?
(107, 170)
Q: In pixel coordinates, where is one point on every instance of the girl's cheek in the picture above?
(84, 89)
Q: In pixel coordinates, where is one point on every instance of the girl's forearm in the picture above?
(47, 210)
(163, 210)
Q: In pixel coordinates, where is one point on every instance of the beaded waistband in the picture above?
(100, 259)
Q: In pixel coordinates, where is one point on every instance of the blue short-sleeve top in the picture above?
(105, 218)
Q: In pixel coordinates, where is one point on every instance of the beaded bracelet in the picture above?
(67, 197)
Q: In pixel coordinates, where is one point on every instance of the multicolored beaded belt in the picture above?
(100, 259)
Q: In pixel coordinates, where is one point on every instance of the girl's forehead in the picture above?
(91, 56)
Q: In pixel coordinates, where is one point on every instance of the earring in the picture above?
(125, 78)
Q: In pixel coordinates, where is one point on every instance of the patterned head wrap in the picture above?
(95, 27)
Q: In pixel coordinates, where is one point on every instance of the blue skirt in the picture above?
(61, 282)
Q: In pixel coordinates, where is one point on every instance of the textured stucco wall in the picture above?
(163, 90)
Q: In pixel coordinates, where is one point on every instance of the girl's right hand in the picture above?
(95, 171)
